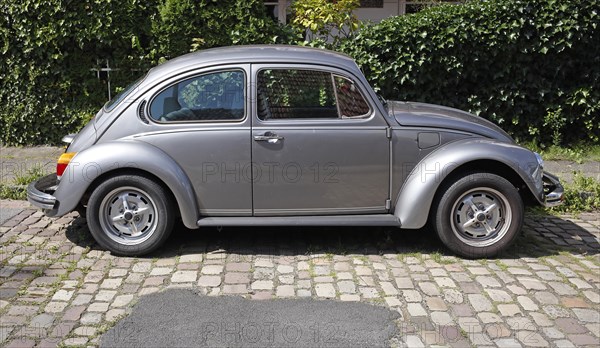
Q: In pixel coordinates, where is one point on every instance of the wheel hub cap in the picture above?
(481, 216)
(128, 215)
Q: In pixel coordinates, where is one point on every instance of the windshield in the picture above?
(121, 95)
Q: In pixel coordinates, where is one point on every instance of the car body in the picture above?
(286, 135)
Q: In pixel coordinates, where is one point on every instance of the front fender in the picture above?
(103, 158)
(416, 196)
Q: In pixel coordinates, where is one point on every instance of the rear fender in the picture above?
(100, 159)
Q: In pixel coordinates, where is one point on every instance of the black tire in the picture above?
(484, 228)
(130, 215)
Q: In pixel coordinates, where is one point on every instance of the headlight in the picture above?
(539, 159)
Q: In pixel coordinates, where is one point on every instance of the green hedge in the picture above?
(49, 46)
(531, 66)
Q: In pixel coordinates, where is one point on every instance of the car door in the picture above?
(319, 146)
(202, 121)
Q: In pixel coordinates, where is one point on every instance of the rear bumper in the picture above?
(553, 190)
(40, 192)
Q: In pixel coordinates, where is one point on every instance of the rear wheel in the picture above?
(479, 215)
(130, 215)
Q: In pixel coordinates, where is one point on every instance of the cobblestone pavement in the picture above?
(58, 288)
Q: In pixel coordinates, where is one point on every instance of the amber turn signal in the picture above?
(63, 162)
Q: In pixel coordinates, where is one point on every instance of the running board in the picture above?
(331, 220)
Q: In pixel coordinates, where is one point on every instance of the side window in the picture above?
(307, 94)
(208, 97)
(350, 101)
(285, 93)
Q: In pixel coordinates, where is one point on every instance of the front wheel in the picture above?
(479, 215)
(130, 215)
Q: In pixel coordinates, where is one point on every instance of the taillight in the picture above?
(63, 162)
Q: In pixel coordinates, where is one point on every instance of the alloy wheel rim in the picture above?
(480, 217)
(128, 215)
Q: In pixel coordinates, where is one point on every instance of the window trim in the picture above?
(193, 76)
(368, 116)
(365, 115)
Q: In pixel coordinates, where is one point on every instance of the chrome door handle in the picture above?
(269, 137)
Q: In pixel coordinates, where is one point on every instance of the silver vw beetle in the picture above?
(282, 135)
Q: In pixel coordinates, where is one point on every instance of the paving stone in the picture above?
(368, 292)
(285, 269)
(158, 271)
(487, 282)
(453, 296)
(111, 283)
(345, 276)
(101, 307)
(235, 289)
(285, 291)
(43, 320)
(55, 307)
(562, 288)
(262, 285)
(325, 290)
(105, 295)
(541, 319)
(237, 278)
(430, 289)
(441, 318)
(347, 287)
(184, 276)
(570, 326)
(531, 339)
(122, 300)
(114, 314)
(388, 288)
(592, 295)
(91, 318)
(498, 295)
(545, 297)
(509, 310)
(238, 266)
(286, 279)
(487, 317)
(552, 333)
(531, 283)
(479, 302)
(404, 283)
(85, 331)
(349, 298)
(190, 258)
(416, 310)
(392, 301)
(572, 302)
(584, 340)
(154, 281)
(413, 341)
(212, 269)
(555, 311)
(507, 343)
(436, 304)
(327, 279)
(527, 303)
(497, 330)
(307, 293)
(63, 295)
(141, 267)
(587, 315)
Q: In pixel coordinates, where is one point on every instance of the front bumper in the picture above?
(553, 190)
(40, 192)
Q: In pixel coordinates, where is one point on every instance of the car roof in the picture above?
(251, 54)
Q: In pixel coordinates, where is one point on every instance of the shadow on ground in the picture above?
(543, 235)
(226, 321)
